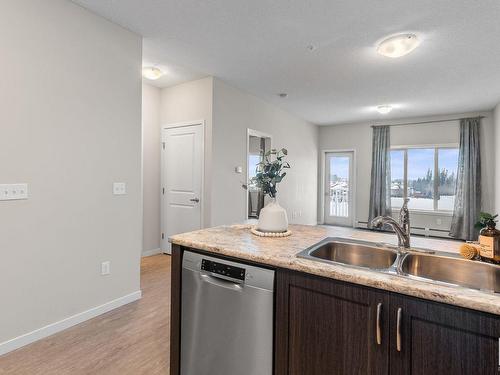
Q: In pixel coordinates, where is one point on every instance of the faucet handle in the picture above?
(405, 203)
(404, 218)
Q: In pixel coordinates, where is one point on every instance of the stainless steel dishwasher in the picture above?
(227, 317)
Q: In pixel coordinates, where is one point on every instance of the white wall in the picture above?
(228, 112)
(496, 143)
(234, 111)
(192, 101)
(151, 167)
(70, 125)
(359, 138)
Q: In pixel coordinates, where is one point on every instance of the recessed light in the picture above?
(282, 94)
(384, 109)
(152, 72)
(398, 45)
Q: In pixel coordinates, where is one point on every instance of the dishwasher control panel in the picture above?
(223, 269)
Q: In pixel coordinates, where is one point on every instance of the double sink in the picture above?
(418, 264)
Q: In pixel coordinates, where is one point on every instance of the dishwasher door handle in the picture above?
(220, 282)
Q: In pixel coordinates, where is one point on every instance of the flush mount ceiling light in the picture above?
(384, 109)
(152, 73)
(398, 45)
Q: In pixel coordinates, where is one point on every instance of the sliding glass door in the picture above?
(339, 174)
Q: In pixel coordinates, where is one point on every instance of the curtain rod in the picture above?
(426, 122)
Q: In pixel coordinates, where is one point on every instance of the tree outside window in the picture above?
(425, 175)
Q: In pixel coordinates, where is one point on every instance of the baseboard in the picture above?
(48, 330)
(148, 253)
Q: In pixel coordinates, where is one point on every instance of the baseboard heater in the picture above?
(421, 231)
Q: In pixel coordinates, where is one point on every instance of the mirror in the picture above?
(258, 144)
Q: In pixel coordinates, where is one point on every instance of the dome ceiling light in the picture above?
(152, 73)
(398, 45)
(384, 109)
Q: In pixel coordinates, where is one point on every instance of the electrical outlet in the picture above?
(119, 188)
(9, 192)
(105, 268)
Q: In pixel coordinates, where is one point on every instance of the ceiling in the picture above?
(261, 46)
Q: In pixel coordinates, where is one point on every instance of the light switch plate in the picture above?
(106, 268)
(9, 192)
(119, 188)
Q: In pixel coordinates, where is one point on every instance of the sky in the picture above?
(420, 160)
(339, 165)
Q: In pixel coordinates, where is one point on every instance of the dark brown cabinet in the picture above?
(326, 327)
(329, 327)
(442, 339)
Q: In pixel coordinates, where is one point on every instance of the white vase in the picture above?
(272, 218)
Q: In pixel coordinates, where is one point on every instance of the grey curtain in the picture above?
(468, 190)
(380, 189)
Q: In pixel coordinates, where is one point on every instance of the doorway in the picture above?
(339, 188)
(182, 180)
(258, 144)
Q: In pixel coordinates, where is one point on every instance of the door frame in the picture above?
(255, 133)
(323, 181)
(163, 229)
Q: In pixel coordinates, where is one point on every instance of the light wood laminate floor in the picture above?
(133, 339)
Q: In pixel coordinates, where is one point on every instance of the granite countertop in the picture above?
(236, 241)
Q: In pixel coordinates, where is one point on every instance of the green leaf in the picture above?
(269, 171)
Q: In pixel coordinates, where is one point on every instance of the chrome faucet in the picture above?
(402, 228)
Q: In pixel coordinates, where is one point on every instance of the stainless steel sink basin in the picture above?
(351, 252)
(420, 264)
(471, 274)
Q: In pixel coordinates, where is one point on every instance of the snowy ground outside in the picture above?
(445, 203)
(425, 204)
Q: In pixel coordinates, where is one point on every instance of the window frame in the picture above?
(436, 148)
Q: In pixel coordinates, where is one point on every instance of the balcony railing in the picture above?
(339, 202)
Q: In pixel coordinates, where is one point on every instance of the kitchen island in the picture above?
(330, 317)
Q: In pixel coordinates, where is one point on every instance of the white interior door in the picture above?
(339, 183)
(182, 171)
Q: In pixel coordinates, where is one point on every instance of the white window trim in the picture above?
(436, 148)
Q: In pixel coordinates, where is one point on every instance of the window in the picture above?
(425, 175)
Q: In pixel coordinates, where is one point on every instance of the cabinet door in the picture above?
(442, 339)
(327, 327)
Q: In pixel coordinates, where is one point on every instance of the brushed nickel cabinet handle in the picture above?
(398, 329)
(379, 331)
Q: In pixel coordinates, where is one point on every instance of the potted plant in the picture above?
(270, 172)
(484, 219)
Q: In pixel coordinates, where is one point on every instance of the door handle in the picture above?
(379, 330)
(195, 200)
(398, 329)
